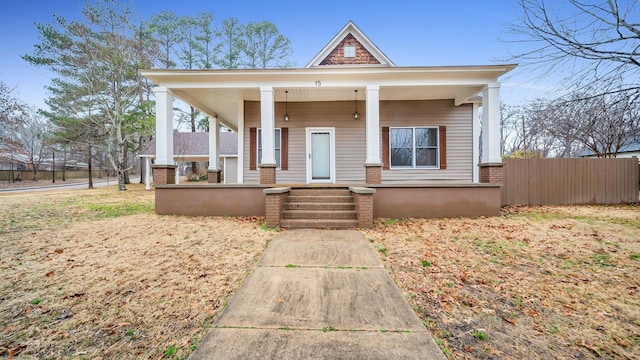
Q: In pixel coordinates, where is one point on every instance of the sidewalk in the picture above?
(318, 294)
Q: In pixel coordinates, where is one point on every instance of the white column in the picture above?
(240, 164)
(214, 145)
(178, 173)
(475, 151)
(373, 125)
(491, 124)
(267, 117)
(147, 173)
(164, 126)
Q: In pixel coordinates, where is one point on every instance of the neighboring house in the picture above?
(626, 151)
(408, 137)
(194, 146)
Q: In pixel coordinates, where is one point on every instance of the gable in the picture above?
(339, 56)
(363, 51)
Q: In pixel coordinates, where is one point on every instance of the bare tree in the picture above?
(31, 139)
(594, 43)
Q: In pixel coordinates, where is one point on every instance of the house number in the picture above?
(318, 83)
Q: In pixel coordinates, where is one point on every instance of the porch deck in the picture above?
(401, 200)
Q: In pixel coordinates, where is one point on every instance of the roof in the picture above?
(196, 144)
(631, 147)
(353, 30)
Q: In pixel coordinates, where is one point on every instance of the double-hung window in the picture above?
(413, 147)
(277, 142)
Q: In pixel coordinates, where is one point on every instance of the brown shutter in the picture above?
(253, 148)
(284, 149)
(385, 147)
(442, 132)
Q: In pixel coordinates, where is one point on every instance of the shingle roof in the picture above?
(190, 143)
(632, 147)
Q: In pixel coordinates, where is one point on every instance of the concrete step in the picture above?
(319, 214)
(320, 192)
(320, 206)
(321, 198)
(319, 223)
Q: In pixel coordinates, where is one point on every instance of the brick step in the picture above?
(320, 199)
(320, 206)
(320, 192)
(319, 214)
(319, 224)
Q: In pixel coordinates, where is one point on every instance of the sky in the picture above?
(410, 33)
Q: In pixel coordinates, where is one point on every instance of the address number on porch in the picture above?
(318, 83)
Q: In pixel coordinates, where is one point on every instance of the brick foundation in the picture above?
(213, 176)
(373, 174)
(267, 174)
(164, 174)
(363, 198)
(276, 198)
(491, 173)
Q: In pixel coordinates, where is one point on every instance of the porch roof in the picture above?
(218, 92)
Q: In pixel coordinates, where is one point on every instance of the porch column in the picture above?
(213, 171)
(164, 168)
(267, 124)
(373, 163)
(147, 173)
(491, 164)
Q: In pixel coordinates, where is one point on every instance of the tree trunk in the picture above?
(90, 169)
(64, 164)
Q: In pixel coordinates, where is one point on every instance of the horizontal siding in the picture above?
(350, 138)
(457, 119)
(231, 172)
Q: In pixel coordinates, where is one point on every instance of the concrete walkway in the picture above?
(318, 294)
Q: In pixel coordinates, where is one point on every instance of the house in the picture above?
(402, 141)
(194, 146)
(627, 151)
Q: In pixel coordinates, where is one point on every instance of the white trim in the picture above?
(224, 170)
(164, 126)
(372, 125)
(147, 173)
(332, 154)
(491, 124)
(240, 167)
(414, 157)
(352, 29)
(267, 124)
(475, 142)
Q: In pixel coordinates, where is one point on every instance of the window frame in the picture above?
(344, 51)
(277, 131)
(414, 148)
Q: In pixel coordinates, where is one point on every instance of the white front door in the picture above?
(321, 166)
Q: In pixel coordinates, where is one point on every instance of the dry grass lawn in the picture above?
(95, 274)
(536, 283)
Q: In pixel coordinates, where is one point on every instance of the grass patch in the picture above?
(120, 209)
(328, 329)
(479, 335)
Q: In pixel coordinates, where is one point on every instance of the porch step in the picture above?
(319, 223)
(320, 192)
(321, 198)
(319, 208)
(319, 214)
(346, 205)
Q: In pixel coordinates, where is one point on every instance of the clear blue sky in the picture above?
(420, 33)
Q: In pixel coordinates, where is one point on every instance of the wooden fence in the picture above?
(570, 181)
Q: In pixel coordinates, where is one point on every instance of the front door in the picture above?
(320, 155)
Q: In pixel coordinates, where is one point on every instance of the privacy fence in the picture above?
(570, 181)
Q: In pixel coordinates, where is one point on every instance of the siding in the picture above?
(350, 137)
(457, 119)
(231, 172)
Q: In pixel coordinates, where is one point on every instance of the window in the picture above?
(277, 146)
(413, 147)
(349, 51)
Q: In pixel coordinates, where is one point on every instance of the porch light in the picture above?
(356, 114)
(286, 105)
